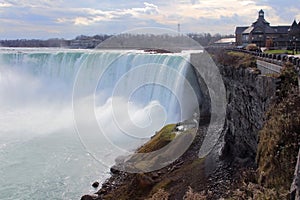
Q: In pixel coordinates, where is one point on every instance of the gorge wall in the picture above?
(248, 96)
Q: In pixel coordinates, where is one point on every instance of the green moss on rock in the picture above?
(159, 140)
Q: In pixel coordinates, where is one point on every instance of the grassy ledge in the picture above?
(159, 140)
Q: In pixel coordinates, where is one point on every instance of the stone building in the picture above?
(263, 34)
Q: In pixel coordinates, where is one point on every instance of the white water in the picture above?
(42, 156)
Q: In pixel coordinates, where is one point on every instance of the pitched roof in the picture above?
(269, 29)
(294, 27)
(266, 29)
(225, 40)
(281, 29)
(261, 23)
(240, 29)
(294, 24)
(248, 30)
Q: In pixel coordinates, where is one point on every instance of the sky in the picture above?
(43, 19)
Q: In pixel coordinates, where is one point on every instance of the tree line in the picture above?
(83, 41)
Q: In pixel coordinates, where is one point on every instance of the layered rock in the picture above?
(248, 95)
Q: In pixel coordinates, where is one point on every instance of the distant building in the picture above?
(264, 35)
(225, 42)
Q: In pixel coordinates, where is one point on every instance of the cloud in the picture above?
(5, 5)
(32, 3)
(88, 16)
(92, 16)
(150, 8)
(295, 11)
(245, 3)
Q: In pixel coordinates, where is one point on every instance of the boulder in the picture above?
(89, 197)
(95, 184)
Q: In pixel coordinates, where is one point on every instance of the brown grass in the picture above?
(280, 137)
(248, 188)
(279, 143)
(160, 195)
(288, 78)
(235, 59)
(191, 195)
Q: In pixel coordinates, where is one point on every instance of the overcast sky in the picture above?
(69, 18)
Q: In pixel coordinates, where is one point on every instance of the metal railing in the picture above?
(277, 59)
(274, 62)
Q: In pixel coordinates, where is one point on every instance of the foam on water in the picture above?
(41, 154)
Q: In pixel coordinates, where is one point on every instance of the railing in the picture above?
(276, 59)
(267, 67)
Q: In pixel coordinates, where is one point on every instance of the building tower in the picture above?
(261, 14)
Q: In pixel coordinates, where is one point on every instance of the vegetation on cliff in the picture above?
(172, 181)
(278, 146)
(159, 140)
(234, 59)
(280, 138)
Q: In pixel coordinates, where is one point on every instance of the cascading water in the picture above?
(41, 155)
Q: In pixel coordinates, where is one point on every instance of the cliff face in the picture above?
(248, 96)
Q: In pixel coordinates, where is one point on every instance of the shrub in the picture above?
(279, 143)
(235, 59)
(191, 195)
(251, 47)
(160, 195)
(288, 78)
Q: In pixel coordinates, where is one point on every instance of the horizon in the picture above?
(37, 19)
(118, 34)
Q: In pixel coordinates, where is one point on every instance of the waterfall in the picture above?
(54, 73)
(39, 89)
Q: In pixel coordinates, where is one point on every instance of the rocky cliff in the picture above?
(248, 96)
